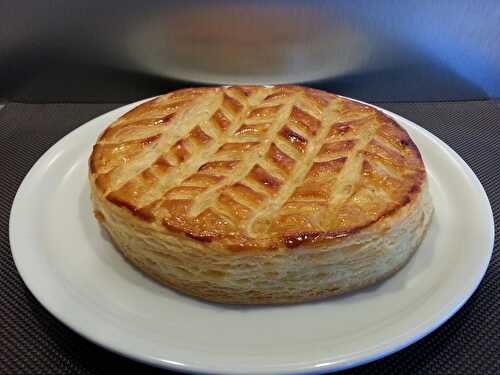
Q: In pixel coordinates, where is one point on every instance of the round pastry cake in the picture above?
(260, 195)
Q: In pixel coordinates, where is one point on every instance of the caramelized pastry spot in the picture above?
(301, 238)
(99, 216)
(333, 148)
(326, 167)
(181, 152)
(232, 104)
(305, 121)
(295, 139)
(264, 112)
(200, 136)
(222, 121)
(260, 175)
(280, 159)
(220, 166)
(200, 238)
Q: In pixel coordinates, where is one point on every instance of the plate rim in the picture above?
(439, 317)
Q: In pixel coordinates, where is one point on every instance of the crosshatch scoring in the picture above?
(246, 164)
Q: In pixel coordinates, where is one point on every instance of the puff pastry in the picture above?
(257, 195)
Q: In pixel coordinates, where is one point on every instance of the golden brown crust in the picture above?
(255, 168)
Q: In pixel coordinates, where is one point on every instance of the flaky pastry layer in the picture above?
(256, 194)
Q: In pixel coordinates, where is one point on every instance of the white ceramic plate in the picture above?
(69, 264)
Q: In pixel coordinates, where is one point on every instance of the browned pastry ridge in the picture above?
(257, 194)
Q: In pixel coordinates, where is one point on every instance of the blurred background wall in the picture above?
(112, 51)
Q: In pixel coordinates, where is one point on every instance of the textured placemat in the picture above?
(33, 342)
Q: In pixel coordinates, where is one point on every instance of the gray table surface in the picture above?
(34, 342)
